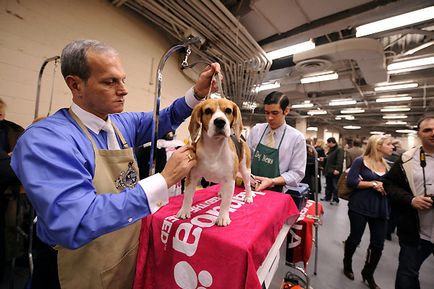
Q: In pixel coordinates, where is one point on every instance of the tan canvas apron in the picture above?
(109, 261)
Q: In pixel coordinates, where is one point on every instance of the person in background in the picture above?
(410, 185)
(309, 176)
(278, 150)
(9, 134)
(395, 154)
(354, 152)
(368, 204)
(332, 170)
(79, 172)
(320, 149)
(164, 150)
(391, 224)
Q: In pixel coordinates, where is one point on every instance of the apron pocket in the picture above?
(121, 275)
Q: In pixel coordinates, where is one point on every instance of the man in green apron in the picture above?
(278, 150)
(79, 172)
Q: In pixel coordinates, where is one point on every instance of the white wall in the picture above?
(34, 30)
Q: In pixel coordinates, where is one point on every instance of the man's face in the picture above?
(2, 112)
(426, 134)
(331, 144)
(104, 92)
(274, 115)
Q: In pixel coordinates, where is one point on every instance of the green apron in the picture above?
(265, 161)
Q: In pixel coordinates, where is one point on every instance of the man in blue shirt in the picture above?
(80, 174)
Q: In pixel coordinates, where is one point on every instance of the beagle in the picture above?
(211, 125)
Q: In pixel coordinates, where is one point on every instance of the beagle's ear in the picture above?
(195, 125)
(237, 124)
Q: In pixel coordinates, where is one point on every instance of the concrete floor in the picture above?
(332, 233)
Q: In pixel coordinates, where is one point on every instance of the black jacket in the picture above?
(334, 161)
(13, 131)
(397, 183)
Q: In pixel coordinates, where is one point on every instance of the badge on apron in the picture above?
(127, 179)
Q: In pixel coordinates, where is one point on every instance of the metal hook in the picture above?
(184, 63)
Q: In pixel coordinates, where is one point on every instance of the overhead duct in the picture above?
(243, 61)
(368, 53)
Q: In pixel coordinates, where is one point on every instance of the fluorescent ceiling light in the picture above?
(394, 116)
(410, 65)
(396, 21)
(316, 112)
(312, 128)
(249, 105)
(352, 127)
(409, 131)
(418, 48)
(396, 86)
(305, 104)
(395, 108)
(346, 117)
(376, 132)
(353, 110)
(319, 77)
(290, 50)
(394, 98)
(337, 102)
(396, 122)
(267, 86)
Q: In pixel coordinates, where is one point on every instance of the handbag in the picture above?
(344, 191)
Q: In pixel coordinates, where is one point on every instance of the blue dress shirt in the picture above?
(55, 162)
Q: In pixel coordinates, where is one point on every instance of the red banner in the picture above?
(299, 241)
(195, 253)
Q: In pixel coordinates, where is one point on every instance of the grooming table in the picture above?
(191, 253)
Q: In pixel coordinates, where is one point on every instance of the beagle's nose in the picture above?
(219, 122)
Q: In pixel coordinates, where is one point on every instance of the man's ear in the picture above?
(75, 84)
(286, 111)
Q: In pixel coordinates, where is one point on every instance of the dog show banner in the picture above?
(196, 254)
(299, 240)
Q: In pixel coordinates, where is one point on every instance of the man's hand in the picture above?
(179, 165)
(262, 183)
(421, 203)
(202, 86)
(336, 172)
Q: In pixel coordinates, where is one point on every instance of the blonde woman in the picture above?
(368, 204)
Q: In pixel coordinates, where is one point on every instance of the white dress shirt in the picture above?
(292, 151)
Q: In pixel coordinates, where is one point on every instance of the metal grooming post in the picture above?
(186, 44)
(32, 213)
(38, 90)
(316, 217)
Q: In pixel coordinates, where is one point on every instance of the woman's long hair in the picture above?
(371, 154)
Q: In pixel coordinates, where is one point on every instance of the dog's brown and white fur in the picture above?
(217, 161)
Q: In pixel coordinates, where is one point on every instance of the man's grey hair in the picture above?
(73, 59)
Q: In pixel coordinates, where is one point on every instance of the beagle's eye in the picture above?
(208, 111)
(228, 110)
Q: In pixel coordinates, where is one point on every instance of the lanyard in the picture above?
(423, 165)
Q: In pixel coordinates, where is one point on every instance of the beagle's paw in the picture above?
(183, 213)
(223, 220)
(248, 199)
